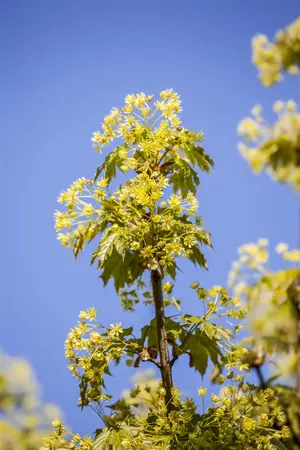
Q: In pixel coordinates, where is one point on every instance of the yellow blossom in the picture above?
(56, 423)
(291, 106)
(248, 424)
(116, 328)
(281, 248)
(249, 128)
(83, 315)
(201, 391)
(278, 106)
(292, 255)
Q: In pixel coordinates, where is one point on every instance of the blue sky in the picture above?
(64, 65)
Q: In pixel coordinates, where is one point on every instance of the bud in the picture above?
(56, 423)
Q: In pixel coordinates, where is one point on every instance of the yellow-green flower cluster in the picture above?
(61, 438)
(268, 293)
(274, 147)
(245, 414)
(132, 217)
(91, 349)
(80, 217)
(141, 223)
(138, 114)
(273, 58)
(240, 417)
(219, 304)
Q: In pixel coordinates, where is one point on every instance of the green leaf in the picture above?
(199, 353)
(127, 332)
(112, 438)
(112, 161)
(278, 444)
(149, 334)
(122, 270)
(106, 246)
(111, 265)
(197, 257)
(78, 246)
(171, 270)
(211, 346)
(197, 155)
(198, 221)
(208, 329)
(273, 378)
(221, 333)
(190, 320)
(184, 178)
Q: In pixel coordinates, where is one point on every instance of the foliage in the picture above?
(272, 58)
(273, 295)
(275, 148)
(267, 293)
(24, 420)
(144, 394)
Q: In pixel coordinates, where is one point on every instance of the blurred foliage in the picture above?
(282, 55)
(24, 419)
(272, 315)
(144, 394)
(275, 147)
(271, 295)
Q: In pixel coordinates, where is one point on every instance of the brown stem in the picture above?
(166, 373)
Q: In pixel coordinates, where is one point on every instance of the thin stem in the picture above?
(163, 155)
(260, 377)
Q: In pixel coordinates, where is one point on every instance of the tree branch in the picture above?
(166, 373)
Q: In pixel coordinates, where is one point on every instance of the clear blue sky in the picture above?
(64, 65)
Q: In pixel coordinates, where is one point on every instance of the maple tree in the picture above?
(139, 231)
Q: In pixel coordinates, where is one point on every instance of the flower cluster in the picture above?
(272, 59)
(142, 225)
(241, 416)
(268, 293)
(61, 438)
(138, 114)
(132, 216)
(91, 348)
(218, 303)
(275, 147)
